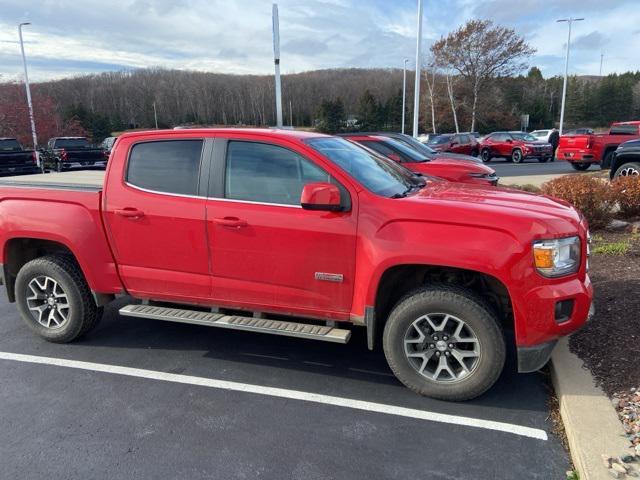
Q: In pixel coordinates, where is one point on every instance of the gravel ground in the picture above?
(627, 404)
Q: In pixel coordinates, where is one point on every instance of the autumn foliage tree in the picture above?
(14, 116)
(479, 51)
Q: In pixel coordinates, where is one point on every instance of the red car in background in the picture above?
(463, 143)
(449, 169)
(515, 147)
(581, 150)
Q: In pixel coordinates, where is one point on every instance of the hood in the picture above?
(456, 156)
(462, 165)
(495, 207)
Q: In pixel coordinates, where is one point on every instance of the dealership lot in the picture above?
(82, 423)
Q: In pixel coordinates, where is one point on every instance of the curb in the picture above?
(590, 421)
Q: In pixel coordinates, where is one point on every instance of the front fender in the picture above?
(488, 250)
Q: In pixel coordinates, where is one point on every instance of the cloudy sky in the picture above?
(70, 37)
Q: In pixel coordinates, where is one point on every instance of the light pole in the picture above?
(26, 86)
(155, 114)
(416, 94)
(601, 59)
(404, 90)
(570, 21)
(276, 61)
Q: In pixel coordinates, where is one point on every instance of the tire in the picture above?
(606, 161)
(485, 155)
(474, 153)
(543, 159)
(516, 156)
(59, 167)
(580, 166)
(628, 169)
(459, 305)
(56, 277)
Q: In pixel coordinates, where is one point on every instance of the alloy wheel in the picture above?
(48, 302)
(441, 347)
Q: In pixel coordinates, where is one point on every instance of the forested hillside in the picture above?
(101, 104)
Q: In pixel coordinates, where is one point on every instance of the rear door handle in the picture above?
(232, 222)
(129, 212)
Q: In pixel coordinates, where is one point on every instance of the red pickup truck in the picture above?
(299, 234)
(584, 149)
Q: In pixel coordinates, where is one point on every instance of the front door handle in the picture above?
(129, 212)
(232, 222)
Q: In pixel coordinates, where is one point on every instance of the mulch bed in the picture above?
(609, 344)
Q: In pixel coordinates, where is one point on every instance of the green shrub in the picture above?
(591, 196)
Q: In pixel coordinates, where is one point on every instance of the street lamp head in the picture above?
(24, 23)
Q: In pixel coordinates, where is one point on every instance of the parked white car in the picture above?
(542, 134)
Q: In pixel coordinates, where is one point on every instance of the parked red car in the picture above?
(464, 143)
(278, 232)
(514, 146)
(452, 170)
(581, 150)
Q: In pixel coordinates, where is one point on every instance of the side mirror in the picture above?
(321, 196)
(453, 144)
(509, 140)
(395, 157)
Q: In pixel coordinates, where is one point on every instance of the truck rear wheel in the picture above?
(580, 166)
(444, 342)
(54, 299)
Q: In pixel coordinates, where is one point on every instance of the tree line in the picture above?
(472, 80)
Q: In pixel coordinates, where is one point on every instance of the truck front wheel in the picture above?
(444, 342)
(54, 299)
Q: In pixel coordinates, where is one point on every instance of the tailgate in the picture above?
(575, 141)
(8, 159)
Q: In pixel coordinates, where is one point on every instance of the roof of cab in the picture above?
(266, 132)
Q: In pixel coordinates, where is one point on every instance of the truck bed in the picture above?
(80, 180)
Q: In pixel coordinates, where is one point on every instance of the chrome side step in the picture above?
(234, 322)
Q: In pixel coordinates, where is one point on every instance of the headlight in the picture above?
(554, 258)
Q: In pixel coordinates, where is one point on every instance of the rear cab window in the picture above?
(165, 166)
(9, 145)
(71, 143)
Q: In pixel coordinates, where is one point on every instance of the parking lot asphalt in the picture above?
(93, 421)
(532, 167)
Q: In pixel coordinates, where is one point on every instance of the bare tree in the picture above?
(452, 102)
(479, 51)
(430, 72)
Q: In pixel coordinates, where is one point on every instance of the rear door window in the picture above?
(169, 166)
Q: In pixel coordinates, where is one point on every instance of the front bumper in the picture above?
(532, 359)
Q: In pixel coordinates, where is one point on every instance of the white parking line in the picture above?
(282, 393)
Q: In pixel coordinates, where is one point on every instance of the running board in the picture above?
(234, 322)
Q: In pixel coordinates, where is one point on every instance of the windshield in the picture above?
(71, 143)
(540, 133)
(439, 140)
(524, 136)
(376, 174)
(9, 144)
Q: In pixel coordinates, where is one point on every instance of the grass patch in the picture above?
(614, 248)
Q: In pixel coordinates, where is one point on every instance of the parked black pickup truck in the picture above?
(63, 153)
(15, 160)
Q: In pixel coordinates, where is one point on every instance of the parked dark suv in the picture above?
(464, 143)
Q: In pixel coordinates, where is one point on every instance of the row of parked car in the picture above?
(618, 149)
(453, 157)
(60, 153)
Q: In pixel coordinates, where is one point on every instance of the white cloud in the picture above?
(70, 37)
